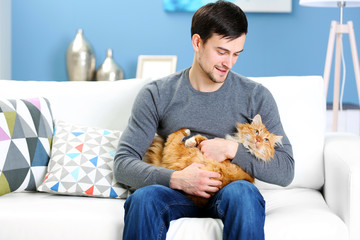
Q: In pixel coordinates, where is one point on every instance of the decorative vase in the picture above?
(80, 59)
(109, 70)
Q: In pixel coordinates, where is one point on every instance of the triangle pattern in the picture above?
(94, 161)
(35, 102)
(32, 184)
(41, 157)
(10, 119)
(55, 187)
(76, 134)
(72, 155)
(19, 140)
(82, 161)
(14, 159)
(4, 185)
(43, 129)
(27, 128)
(3, 135)
(113, 193)
(80, 147)
(75, 173)
(6, 106)
(35, 115)
(90, 191)
(16, 177)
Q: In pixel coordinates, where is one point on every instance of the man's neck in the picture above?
(201, 82)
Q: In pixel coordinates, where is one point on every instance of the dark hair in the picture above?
(223, 18)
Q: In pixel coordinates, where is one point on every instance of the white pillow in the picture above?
(81, 162)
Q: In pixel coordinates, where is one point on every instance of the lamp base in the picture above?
(338, 29)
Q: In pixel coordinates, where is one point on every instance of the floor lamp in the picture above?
(338, 29)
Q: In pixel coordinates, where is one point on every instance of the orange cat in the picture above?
(177, 155)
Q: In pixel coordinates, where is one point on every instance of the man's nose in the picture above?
(229, 62)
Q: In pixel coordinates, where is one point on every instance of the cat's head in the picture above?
(258, 139)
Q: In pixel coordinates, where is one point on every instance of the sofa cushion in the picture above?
(26, 130)
(43, 216)
(81, 162)
(290, 214)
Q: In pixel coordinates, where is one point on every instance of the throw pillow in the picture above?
(81, 162)
(26, 129)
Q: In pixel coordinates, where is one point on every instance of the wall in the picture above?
(5, 39)
(277, 43)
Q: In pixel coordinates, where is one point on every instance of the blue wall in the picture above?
(277, 43)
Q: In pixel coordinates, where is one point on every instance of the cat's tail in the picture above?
(154, 153)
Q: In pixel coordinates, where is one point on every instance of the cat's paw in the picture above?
(191, 142)
(187, 132)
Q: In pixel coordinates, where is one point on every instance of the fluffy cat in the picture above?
(177, 155)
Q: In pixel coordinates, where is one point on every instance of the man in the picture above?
(208, 99)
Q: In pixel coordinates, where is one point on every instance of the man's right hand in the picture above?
(195, 181)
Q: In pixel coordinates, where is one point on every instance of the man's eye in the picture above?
(221, 53)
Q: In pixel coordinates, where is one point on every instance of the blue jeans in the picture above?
(149, 210)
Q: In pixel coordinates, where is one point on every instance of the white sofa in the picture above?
(319, 204)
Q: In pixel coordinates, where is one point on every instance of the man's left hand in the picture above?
(218, 149)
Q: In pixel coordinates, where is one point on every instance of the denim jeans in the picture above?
(149, 210)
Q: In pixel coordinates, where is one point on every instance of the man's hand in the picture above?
(218, 149)
(195, 181)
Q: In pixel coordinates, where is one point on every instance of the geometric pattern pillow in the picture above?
(26, 129)
(81, 162)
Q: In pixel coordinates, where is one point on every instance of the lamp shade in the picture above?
(329, 3)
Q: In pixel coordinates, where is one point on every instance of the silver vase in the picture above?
(80, 59)
(109, 70)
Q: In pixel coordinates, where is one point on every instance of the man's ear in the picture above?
(196, 42)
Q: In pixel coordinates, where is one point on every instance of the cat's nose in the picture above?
(258, 139)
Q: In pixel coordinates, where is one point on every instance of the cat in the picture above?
(177, 155)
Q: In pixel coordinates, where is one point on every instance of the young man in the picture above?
(209, 99)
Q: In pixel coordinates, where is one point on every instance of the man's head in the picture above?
(223, 18)
(218, 37)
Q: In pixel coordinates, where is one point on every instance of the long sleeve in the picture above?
(129, 168)
(280, 169)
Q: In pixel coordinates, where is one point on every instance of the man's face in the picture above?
(218, 55)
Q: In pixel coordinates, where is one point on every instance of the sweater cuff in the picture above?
(164, 176)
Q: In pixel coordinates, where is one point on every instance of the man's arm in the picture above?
(129, 168)
(280, 170)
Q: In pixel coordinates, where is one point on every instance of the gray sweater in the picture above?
(171, 103)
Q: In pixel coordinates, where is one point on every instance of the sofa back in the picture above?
(302, 108)
(300, 100)
(102, 104)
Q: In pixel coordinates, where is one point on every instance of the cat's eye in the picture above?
(266, 140)
(257, 132)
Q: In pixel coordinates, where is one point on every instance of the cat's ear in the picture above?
(278, 140)
(257, 119)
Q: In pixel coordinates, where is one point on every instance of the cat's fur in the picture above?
(177, 155)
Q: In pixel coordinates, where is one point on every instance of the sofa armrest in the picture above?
(342, 178)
